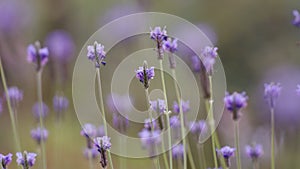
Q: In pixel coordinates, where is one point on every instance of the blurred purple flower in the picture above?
(103, 144)
(198, 127)
(119, 103)
(60, 104)
(177, 151)
(37, 55)
(150, 139)
(159, 35)
(37, 112)
(170, 46)
(15, 95)
(147, 124)
(158, 106)
(209, 57)
(272, 92)
(39, 134)
(89, 131)
(26, 159)
(175, 122)
(120, 123)
(296, 20)
(254, 152)
(61, 45)
(96, 54)
(93, 152)
(196, 63)
(185, 106)
(144, 75)
(100, 132)
(235, 102)
(226, 152)
(5, 160)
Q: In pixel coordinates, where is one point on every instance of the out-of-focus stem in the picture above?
(103, 112)
(201, 154)
(90, 155)
(237, 144)
(11, 113)
(272, 139)
(190, 155)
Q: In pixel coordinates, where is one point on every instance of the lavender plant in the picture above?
(5, 160)
(254, 152)
(226, 152)
(26, 160)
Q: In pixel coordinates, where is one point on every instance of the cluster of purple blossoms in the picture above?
(151, 124)
(198, 127)
(170, 45)
(15, 95)
(37, 55)
(5, 160)
(296, 20)
(60, 104)
(159, 35)
(89, 131)
(121, 123)
(235, 102)
(254, 151)
(185, 106)
(209, 55)
(150, 139)
(103, 144)
(226, 152)
(144, 75)
(26, 160)
(37, 112)
(96, 54)
(177, 151)
(175, 127)
(158, 106)
(39, 134)
(271, 94)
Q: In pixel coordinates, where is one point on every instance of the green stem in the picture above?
(40, 102)
(272, 139)
(11, 113)
(237, 145)
(167, 112)
(91, 166)
(181, 118)
(201, 153)
(156, 163)
(190, 155)
(103, 112)
(165, 156)
(255, 164)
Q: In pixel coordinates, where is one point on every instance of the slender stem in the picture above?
(156, 163)
(255, 164)
(181, 118)
(165, 156)
(103, 112)
(90, 155)
(201, 153)
(40, 102)
(237, 145)
(167, 114)
(272, 139)
(11, 113)
(190, 155)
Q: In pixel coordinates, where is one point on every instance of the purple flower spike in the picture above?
(254, 152)
(158, 106)
(148, 124)
(159, 35)
(235, 102)
(5, 160)
(296, 20)
(93, 152)
(170, 46)
(226, 152)
(144, 75)
(209, 57)
(96, 54)
(121, 123)
(149, 139)
(185, 106)
(175, 122)
(196, 63)
(36, 110)
(39, 134)
(26, 160)
(37, 55)
(60, 104)
(177, 151)
(198, 127)
(272, 92)
(15, 95)
(88, 130)
(103, 144)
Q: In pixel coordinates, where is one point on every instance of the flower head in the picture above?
(235, 102)
(209, 57)
(177, 151)
(158, 106)
(170, 46)
(103, 144)
(37, 112)
(185, 106)
(5, 160)
(226, 152)
(88, 130)
(39, 134)
(272, 92)
(159, 35)
(96, 54)
(15, 95)
(198, 127)
(37, 55)
(150, 138)
(60, 104)
(26, 159)
(144, 75)
(296, 20)
(254, 152)
(121, 123)
(196, 63)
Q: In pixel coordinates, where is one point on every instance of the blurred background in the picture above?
(257, 44)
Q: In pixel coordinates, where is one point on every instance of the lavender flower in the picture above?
(60, 104)
(93, 152)
(96, 54)
(15, 95)
(197, 127)
(26, 160)
(170, 46)
(158, 106)
(254, 152)
(296, 20)
(185, 106)
(121, 123)
(100, 132)
(39, 134)
(235, 102)
(36, 110)
(118, 103)
(37, 55)
(177, 151)
(196, 63)
(298, 90)
(175, 126)
(209, 57)
(159, 35)
(5, 160)
(61, 45)
(226, 152)
(150, 139)
(88, 131)
(103, 144)
(148, 125)
(272, 92)
(144, 75)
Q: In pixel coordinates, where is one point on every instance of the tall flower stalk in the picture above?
(11, 113)
(271, 94)
(39, 56)
(97, 54)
